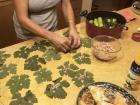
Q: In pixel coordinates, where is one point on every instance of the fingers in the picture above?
(64, 46)
(79, 43)
(75, 43)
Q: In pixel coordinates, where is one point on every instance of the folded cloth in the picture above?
(128, 14)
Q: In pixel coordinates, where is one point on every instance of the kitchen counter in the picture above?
(24, 81)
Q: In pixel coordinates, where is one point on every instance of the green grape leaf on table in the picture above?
(56, 89)
(17, 83)
(67, 69)
(51, 54)
(82, 58)
(66, 33)
(23, 52)
(5, 70)
(43, 75)
(40, 46)
(45, 43)
(3, 57)
(28, 99)
(86, 42)
(73, 51)
(34, 63)
(83, 77)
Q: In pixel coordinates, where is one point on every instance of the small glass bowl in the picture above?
(105, 47)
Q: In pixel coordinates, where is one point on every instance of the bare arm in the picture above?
(21, 9)
(69, 15)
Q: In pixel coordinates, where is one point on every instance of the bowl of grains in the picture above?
(105, 47)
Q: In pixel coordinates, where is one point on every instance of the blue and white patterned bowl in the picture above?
(113, 87)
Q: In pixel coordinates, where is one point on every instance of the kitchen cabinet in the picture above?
(77, 7)
(110, 4)
(7, 33)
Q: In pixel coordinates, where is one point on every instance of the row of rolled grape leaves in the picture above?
(56, 89)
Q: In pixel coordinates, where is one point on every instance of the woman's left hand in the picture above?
(75, 39)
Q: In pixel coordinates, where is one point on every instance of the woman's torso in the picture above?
(42, 12)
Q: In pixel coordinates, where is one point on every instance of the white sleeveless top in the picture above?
(43, 13)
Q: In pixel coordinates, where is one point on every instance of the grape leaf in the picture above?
(38, 47)
(51, 53)
(86, 42)
(43, 75)
(45, 43)
(3, 57)
(82, 58)
(23, 52)
(67, 69)
(33, 63)
(5, 70)
(41, 46)
(66, 33)
(17, 83)
(73, 51)
(83, 77)
(28, 99)
(56, 90)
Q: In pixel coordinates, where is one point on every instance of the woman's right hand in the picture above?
(61, 43)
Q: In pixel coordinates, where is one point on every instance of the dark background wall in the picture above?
(111, 4)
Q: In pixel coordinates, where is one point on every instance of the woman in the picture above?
(40, 17)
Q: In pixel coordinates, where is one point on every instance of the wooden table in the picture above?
(114, 71)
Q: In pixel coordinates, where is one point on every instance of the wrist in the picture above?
(72, 24)
(48, 35)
